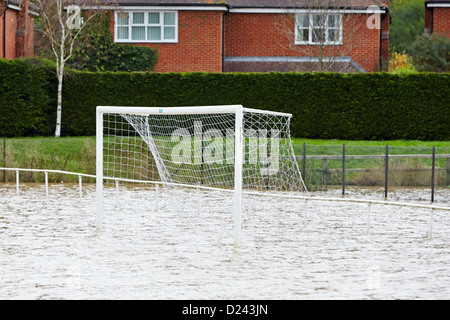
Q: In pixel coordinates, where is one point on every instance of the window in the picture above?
(318, 29)
(149, 26)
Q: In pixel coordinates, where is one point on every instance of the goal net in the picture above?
(228, 148)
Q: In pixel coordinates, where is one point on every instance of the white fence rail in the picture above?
(369, 202)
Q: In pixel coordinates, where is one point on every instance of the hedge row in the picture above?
(377, 106)
(27, 97)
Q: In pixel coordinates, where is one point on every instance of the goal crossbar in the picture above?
(186, 110)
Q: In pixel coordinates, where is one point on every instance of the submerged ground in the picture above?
(182, 247)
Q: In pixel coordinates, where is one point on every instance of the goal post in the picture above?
(227, 147)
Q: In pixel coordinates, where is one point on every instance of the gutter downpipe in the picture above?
(223, 36)
(432, 20)
(431, 9)
(4, 29)
(4, 34)
(381, 38)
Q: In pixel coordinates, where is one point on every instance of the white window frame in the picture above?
(310, 28)
(146, 25)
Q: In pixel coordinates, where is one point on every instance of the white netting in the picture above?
(199, 149)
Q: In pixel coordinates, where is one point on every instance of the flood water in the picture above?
(179, 245)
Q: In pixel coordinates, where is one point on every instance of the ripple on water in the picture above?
(50, 249)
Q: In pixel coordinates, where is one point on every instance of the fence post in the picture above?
(117, 193)
(198, 200)
(305, 212)
(17, 181)
(386, 170)
(326, 173)
(80, 186)
(304, 162)
(46, 183)
(156, 198)
(4, 160)
(448, 171)
(433, 165)
(430, 230)
(343, 169)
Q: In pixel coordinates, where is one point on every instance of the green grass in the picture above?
(396, 147)
(49, 145)
(402, 172)
(77, 154)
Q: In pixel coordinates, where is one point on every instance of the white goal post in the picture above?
(228, 148)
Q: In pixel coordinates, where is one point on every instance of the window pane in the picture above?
(154, 33)
(153, 18)
(138, 33)
(303, 35)
(306, 20)
(138, 17)
(169, 33)
(334, 35)
(169, 18)
(306, 35)
(318, 35)
(331, 35)
(332, 21)
(122, 19)
(122, 33)
(302, 21)
(318, 20)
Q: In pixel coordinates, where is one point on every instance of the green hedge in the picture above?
(27, 96)
(375, 106)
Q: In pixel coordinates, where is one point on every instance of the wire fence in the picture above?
(325, 166)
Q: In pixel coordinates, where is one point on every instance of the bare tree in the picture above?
(61, 22)
(325, 31)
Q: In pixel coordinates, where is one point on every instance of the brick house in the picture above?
(437, 17)
(256, 35)
(16, 29)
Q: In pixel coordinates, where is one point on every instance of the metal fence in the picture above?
(325, 166)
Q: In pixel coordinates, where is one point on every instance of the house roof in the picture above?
(14, 3)
(17, 5)
(256, 3)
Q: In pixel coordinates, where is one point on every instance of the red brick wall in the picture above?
(2, 12)
(248, 34)
(199, 46)
(10, 38)
(11, 30)
(441, 20)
